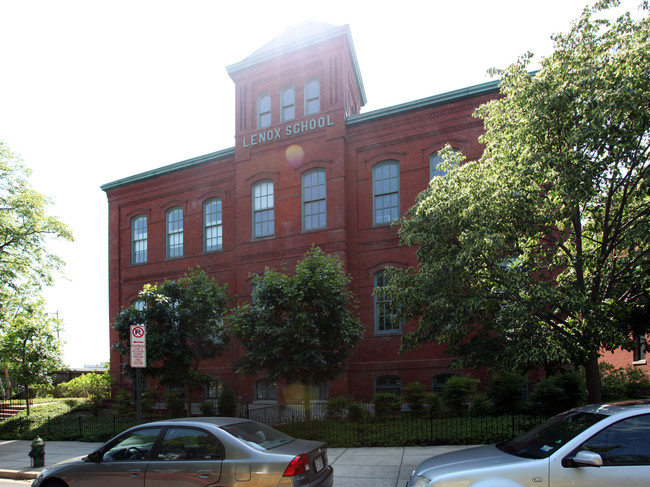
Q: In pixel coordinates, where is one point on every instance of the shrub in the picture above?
(175, 404)
(628, 383)
(338, 407)
(208, 409)
(227, 403)
(506, 390)
(386, 403)
(123, 402)
(558, 393)
(434, 403)
(415, 395)
(96, 404)
(87, 385)
(458, 391)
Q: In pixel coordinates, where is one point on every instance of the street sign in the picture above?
(138, 357)
(138, 335)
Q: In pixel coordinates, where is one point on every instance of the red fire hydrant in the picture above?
(37, 453)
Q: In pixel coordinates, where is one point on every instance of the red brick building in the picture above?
(307, 168)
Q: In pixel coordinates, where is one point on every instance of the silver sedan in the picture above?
(193, 452)
(592, 446)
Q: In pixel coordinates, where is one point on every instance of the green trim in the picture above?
(171, 168)
(444, 98)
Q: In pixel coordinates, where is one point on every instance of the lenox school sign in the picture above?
(288, 130)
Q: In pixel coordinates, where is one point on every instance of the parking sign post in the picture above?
(138, 349)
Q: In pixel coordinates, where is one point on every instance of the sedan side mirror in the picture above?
(94, 457)
(588, 459)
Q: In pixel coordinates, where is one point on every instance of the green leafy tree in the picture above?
(30, 346)
(184, 324)
(537, 254)
(26, 264)
(299, 328)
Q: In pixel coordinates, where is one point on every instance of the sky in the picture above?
(94, 91)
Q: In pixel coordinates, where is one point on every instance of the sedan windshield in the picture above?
(258, 435)
(542, 441)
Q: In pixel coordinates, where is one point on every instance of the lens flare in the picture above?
(295, 155)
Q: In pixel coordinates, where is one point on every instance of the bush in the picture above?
(628, 383)
(415, 395)
(434, 403)
(208, 409)
(338, 407)
(386, 403)
(227, 403)
(123, 402)
(558, 393)
(458, 391)
(506, 390)
(87, 385)
(175, 404)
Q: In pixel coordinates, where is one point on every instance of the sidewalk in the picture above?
(353, 467)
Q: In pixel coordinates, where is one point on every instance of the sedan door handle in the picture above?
(134, 472)
(204, 474)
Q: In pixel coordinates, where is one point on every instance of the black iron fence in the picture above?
(397, 429)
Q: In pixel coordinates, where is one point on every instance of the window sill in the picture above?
(640, 362)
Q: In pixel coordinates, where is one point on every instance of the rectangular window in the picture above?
(212, 225)
(175, 233)
(265, 390)
(385, 183)
(384, 315)
(288, 101)
(314, 203)
(312, 97)
(263, 210)
(139, 240)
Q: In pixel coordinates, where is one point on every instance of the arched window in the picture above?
(385, 186)
(139, 240)
(314, 201)
(212, 225)
(288, 103)
(263, 209)
(174, 232)
(434, 160)
(384, 313)
(312, 96)
(263, 110)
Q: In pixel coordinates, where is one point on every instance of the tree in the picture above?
(26, 266)
(537, 253)
(298, 328)
(184, 324)
(25, 229)
(29, 345)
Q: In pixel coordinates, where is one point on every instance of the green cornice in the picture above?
(171, 168)
(450, 97)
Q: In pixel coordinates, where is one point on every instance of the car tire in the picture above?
(56, 483)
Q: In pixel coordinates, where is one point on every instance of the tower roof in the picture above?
(299, 37)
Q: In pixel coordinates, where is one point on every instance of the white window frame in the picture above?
(139, 242)
(263, 209)
(312, 96)
(384, 313)
(174, 233)
(212, 225)
(385, 192)
(314, 199)
(264, 110)
(288, 105)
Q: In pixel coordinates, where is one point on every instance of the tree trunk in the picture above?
(592, 373)
(307, 403)
(188, 400)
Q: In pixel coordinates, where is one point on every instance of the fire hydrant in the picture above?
(37, 453)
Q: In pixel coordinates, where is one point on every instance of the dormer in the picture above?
(309, 70)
